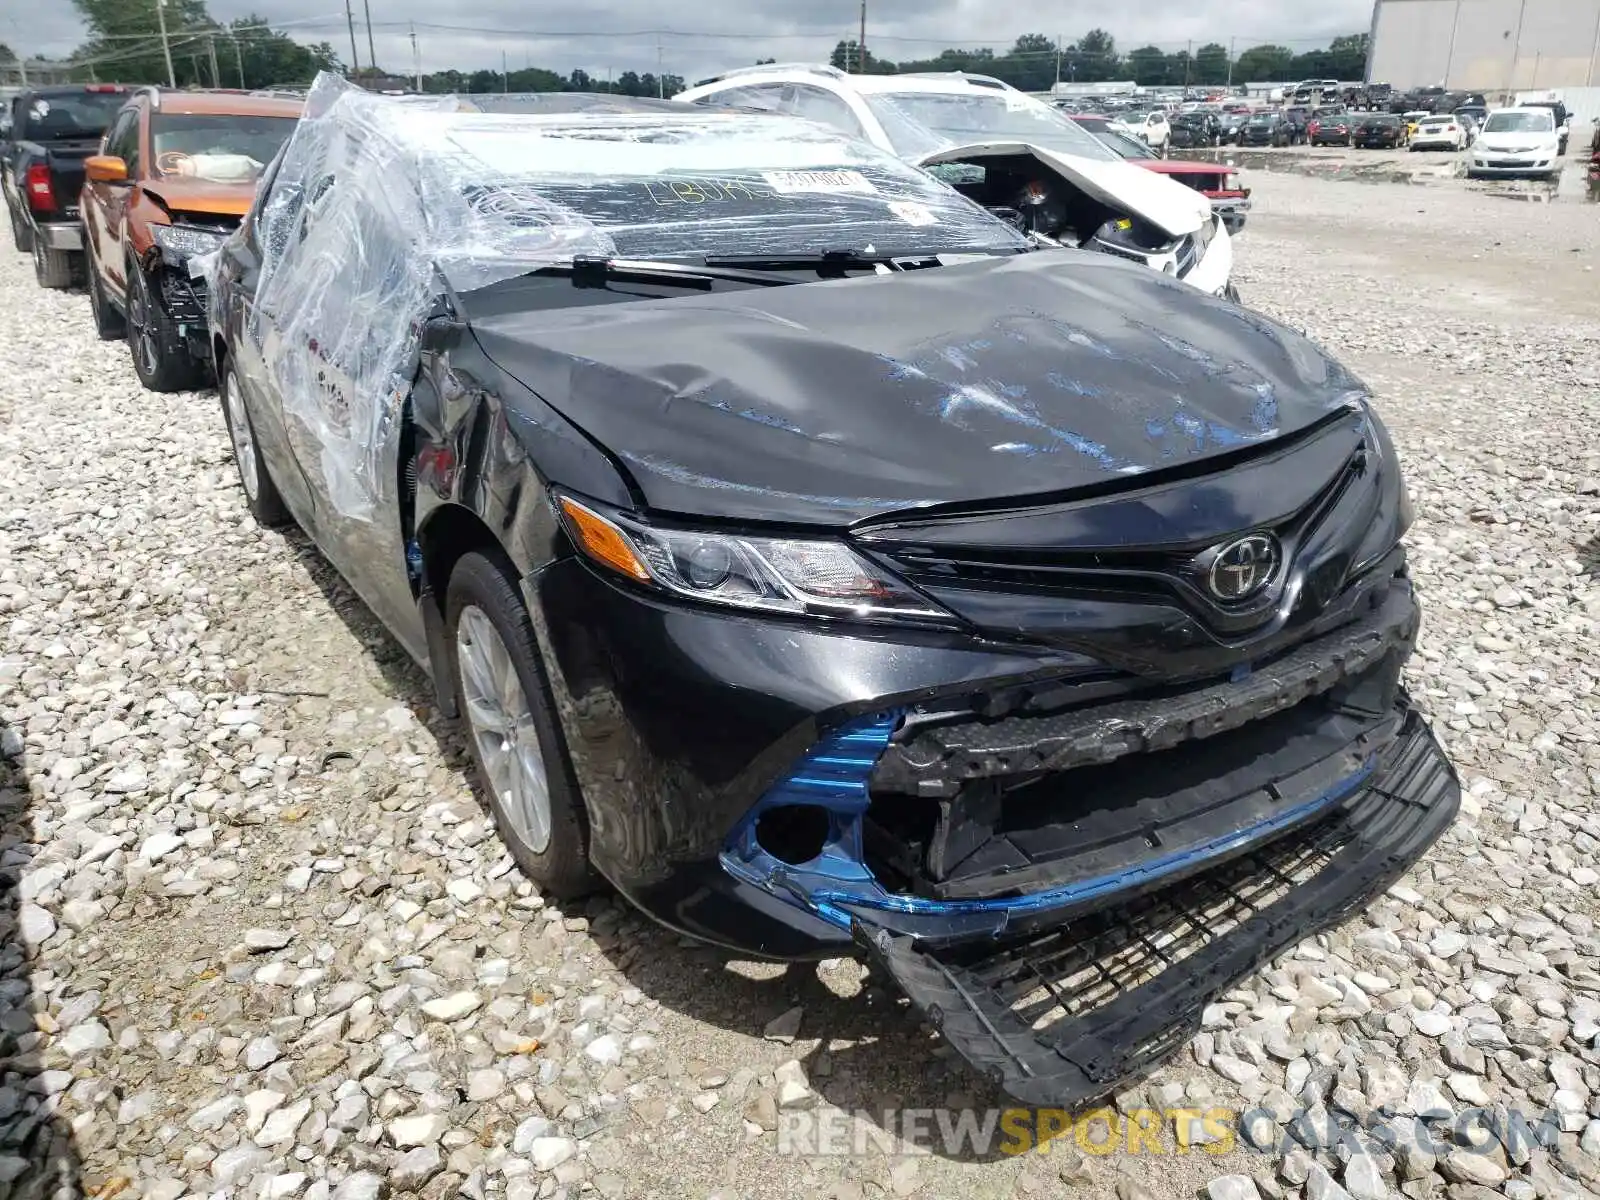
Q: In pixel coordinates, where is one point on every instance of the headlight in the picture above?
(180, 241)
(1395, 512)
(781, 575)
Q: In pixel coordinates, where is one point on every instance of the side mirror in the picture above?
(105, 168)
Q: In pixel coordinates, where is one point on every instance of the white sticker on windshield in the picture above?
(40, 110)
(913, 213)
(1016, 101)
(788, 183)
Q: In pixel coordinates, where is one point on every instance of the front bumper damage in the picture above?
(1062, 893)
(1065, 1014)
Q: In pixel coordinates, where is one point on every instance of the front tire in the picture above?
(109, 324)
(506, 706)
(261, 495)
(160, 358)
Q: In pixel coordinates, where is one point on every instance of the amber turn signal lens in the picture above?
(602, 541)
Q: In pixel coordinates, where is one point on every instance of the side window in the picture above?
(762, 96)
(123, 139)
(819, 104)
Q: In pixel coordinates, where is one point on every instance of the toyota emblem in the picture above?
(1244, 566)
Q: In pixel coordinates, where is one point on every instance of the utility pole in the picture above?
(166, 48)
(1188, 62)
(1516, 52)
(238, 57)
(211, 49)
(1058, 62)
(1233, 44)
(861, 42)
(372, 55)
(505, 75)
(355, 58)
(661, 78)
(416, 56)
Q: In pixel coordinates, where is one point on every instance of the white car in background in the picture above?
(1517, 141)
(1150, 127)
(1440, 133)
(1015, 155)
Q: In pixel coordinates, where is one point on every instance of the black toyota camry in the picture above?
(832, 568)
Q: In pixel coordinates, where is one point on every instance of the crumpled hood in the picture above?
(210, 199)
(826, 403)
(1168, 205)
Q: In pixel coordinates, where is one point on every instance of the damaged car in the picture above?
(175, 173)
(1021, 158)
(832, 570)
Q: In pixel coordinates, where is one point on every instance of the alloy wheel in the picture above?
(501, 720)
(140, 331)
(244, 441)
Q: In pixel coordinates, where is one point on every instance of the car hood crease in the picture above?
(830, 403)
(208, 199)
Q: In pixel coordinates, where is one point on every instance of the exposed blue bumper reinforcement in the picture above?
(839, 887)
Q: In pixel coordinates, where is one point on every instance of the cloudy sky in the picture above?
(619, 35)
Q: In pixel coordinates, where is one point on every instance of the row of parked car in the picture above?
(814, 545)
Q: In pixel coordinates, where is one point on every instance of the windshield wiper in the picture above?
(592, 272)
(834, 261)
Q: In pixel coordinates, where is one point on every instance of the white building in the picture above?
(1490, 46)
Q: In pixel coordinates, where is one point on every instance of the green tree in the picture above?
(125, 40)
(1149, 66)
(251, 54)
(1211, 64)
(1264, 64)
(1034, 43)
(1095, 57)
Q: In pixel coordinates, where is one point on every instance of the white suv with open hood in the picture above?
(1009, 152)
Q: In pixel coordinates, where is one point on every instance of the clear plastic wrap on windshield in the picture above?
(380, 203)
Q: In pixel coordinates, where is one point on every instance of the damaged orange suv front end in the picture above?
(175, 174)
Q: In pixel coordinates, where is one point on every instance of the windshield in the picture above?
(1119, 142)
(964, 117)
(217, 149)
(1519, 122)
(652, 186)
(75, 114)
(1264, 119)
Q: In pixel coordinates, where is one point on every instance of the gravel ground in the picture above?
(257, 939)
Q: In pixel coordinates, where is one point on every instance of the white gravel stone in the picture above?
(453, 1007)
(548, 1153)
(1233, 1187)
(422, 1130)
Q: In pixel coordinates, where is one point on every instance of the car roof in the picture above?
(561, 103)
(949, 83)
(1522, 108)
(227, 104)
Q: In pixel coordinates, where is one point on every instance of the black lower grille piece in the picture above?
(1069, 1013)
(938, 759)
(183, 298)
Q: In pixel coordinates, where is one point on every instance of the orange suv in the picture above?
(175, 173)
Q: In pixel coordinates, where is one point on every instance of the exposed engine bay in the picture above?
(1025, 193)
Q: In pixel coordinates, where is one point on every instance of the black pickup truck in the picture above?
(52, 130)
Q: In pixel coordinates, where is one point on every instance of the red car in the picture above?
(1218, 182)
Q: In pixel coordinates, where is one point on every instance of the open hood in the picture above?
(1169, 206)
(1018, 378)
(181, 196)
